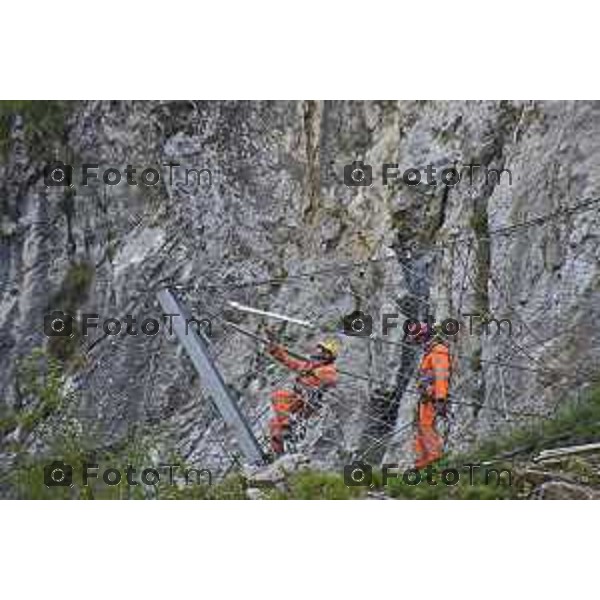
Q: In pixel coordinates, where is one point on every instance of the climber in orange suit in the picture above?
(433, 382)
(314, 375)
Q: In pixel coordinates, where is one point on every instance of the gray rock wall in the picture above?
(278, 206)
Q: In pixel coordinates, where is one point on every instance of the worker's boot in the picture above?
(277, 445)
(277, 429)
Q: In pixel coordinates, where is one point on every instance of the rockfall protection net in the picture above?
(380, 423)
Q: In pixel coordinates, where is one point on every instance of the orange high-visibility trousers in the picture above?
(428, 442)
(278, 425)
(284, 403)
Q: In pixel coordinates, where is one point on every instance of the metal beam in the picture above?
(210, 377)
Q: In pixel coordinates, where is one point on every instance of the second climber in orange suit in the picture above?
(314, 375)
(433, 382)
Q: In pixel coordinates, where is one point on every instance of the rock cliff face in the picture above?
(275, 205)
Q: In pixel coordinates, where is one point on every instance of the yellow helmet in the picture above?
(330, 346)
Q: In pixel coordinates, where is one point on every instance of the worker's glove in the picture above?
(273, 348)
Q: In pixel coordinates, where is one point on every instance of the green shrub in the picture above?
(75, 286)
(44, 123)
(41, 378)
(41, 381)
(315, 485)
(577, 422)
(479, 222)
(72, 294)
(463, 490)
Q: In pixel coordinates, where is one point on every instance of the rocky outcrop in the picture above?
(275, 205)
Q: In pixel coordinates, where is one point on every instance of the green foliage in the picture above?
(315, 485)
(111, 251)
(72, 293)
(28, 479)
(465, 489)
(40, 381)
(446, 136)
(400, 222)
(8, 422)
(44, 124)
(577, 422)
(75, 287)
(407, 228)
(573, 423)
(231, 488)
(479, 222)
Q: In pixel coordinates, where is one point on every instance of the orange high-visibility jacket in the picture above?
(312, 373)
(435, 371)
